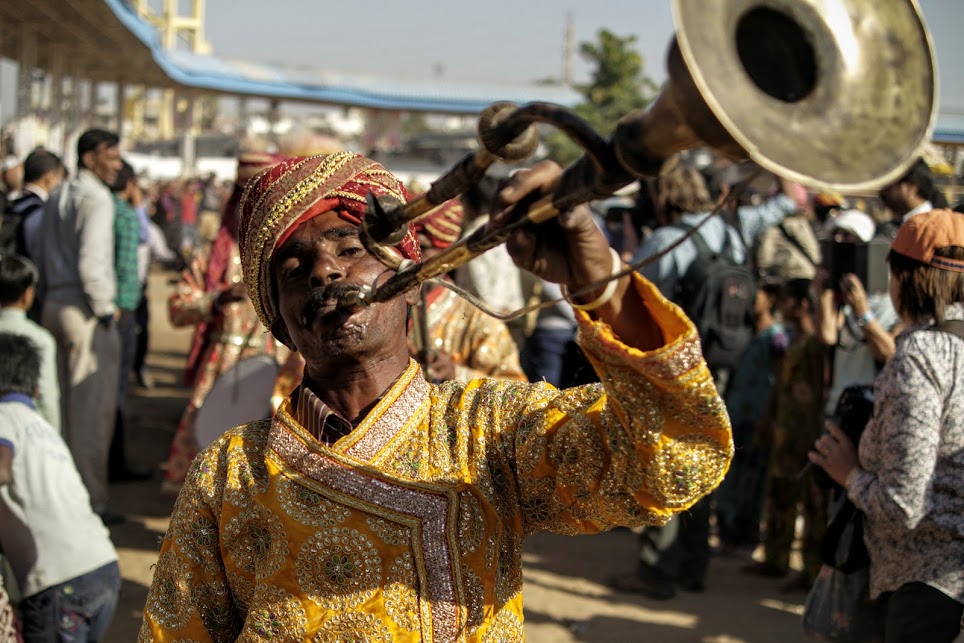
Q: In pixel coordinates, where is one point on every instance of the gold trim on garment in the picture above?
(432, 510)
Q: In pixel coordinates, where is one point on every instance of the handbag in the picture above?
(842, 588)
(842, 546)
(834, 602)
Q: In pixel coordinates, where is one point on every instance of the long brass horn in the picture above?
(835, 94)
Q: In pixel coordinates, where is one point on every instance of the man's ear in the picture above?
(414, 296)
(280, 331)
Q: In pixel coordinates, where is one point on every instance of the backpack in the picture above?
(718, 294)
(786, 251)
(12, 219)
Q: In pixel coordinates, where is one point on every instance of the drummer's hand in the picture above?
(230, 295)
(441, 366)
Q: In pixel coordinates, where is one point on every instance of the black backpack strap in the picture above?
(702, 249)
(952, 326)
(796, 244)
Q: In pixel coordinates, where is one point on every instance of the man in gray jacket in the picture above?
(77, 269)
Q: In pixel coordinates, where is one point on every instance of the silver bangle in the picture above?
(607, 293)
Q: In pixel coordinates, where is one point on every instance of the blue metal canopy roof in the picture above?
(254, 79)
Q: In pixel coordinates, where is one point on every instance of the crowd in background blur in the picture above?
(814, 320)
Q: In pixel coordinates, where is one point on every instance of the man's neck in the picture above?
(36, 188)
(921, 205)
(350, 391)
(88, 174)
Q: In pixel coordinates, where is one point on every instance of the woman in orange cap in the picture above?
(908, 474)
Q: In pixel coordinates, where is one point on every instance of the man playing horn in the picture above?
(377, 506)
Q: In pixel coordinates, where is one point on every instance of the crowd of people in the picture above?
(403, 451)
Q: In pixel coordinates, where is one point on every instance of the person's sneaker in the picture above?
(631, 583)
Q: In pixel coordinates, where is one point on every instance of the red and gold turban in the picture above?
(279, 200)
(444, 226)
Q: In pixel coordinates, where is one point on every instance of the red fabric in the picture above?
(352, 212)
(249, 165)
(444, 226)
(213, 276)
(188, 206)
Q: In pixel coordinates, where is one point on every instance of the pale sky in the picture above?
(491, 41)
(494, 40)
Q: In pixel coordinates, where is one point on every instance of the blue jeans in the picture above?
(78, 611)
(542, 355)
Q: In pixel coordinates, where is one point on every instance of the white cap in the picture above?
(857, 223)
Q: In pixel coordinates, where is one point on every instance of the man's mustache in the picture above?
(324, 297)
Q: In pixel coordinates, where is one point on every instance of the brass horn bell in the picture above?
(835, 94)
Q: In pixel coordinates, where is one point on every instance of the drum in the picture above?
(240, 395)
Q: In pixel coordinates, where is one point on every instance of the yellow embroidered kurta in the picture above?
(411, 527)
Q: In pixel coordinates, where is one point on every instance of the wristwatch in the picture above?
(866, 318)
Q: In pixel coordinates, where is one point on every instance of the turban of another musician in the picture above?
(444, 226)
(278, 201)
(250, 164)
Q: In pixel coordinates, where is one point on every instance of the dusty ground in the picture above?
(566, 596)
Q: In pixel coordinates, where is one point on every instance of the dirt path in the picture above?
(565, 593)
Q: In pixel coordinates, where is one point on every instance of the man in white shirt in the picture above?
(60, 552)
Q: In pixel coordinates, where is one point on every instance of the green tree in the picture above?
(618, 85)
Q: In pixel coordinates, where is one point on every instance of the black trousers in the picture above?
(914, 613)
(678, 552)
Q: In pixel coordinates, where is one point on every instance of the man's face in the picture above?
(13, 178)
(310, 272)
(896, 196)
(845, 236)
(53, 178)
(105, 162)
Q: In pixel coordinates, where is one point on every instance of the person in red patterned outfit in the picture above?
(211, 297)
(8, 624)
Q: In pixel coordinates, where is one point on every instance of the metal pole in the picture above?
(119, 109)
(188, 150)
(58, 126)
(28, 61)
